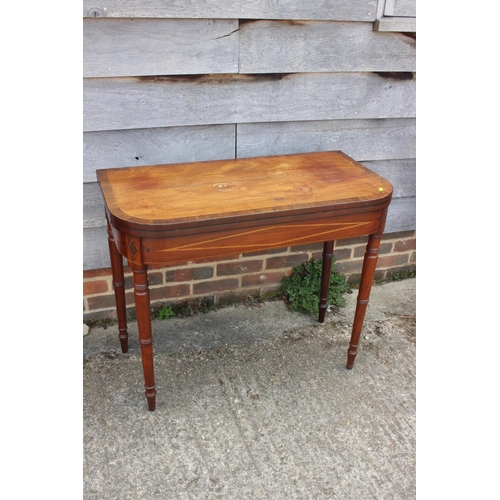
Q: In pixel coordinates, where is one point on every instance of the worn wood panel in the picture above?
(401, 217)
(141, 102)
(130, 47)
(93, 206)
(119, 148)
(284, 47)
(400, 173)
(396, 24)
(95, 248)
(361, 139)
(403, 8)
(354, 10)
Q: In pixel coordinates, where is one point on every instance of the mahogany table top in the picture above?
(200, 193)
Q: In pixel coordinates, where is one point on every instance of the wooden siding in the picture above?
(396, 16)
(123, 103)
(397, 24)
(361, 139)
(137, 47)
(314, 46)
(168, 82)
(155, 146)
(340, 10)
(400, 8)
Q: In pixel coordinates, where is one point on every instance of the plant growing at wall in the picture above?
(165, 312)
(302, 288)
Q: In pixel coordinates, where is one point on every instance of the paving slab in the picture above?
(254, 401)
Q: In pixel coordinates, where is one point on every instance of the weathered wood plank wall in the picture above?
(338, 10)
(168, 82)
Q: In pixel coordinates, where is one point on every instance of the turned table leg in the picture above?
(142, 306)
(119, 288)
(325, 278)
(367, 275)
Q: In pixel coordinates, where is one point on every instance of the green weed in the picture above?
(302, 288)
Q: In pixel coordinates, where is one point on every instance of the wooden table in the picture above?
(166, 214)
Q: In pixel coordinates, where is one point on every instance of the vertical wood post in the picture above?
(142, 305)
(119, 289)
(325, 278)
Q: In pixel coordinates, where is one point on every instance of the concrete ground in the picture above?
(254, 401)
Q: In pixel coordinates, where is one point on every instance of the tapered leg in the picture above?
(367, 275)
(119, 288)
(325, 278)
(142, 305)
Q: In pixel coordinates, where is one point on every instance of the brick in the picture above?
(351, 242)
(108, 301)
(189, 274)
(262, 279)
(93, 287)
(392, 260)
(206, 287)
(154, 279)
(349, 266)
(342, 254)
(317, 255)
(241, 267)
(129, 282)
(96, 273)
(169, 292)
(286, 261)
(359, 252)
(405, 245)
(385, 248)
(402, 235)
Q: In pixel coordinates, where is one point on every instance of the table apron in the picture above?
(176, 249)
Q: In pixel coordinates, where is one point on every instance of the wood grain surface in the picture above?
(147, 102)
(130, 47)
(322, 46)
(200, 192)
(383, 139)
(155, 146)
(354, 10)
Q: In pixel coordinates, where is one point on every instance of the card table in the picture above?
(167, 214)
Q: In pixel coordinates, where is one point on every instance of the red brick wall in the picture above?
(243, 275)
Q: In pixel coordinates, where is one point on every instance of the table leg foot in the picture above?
(119, 289)
(325, 279)
(351, 356)
(141, 296)
(151, 398)
(367, 275)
